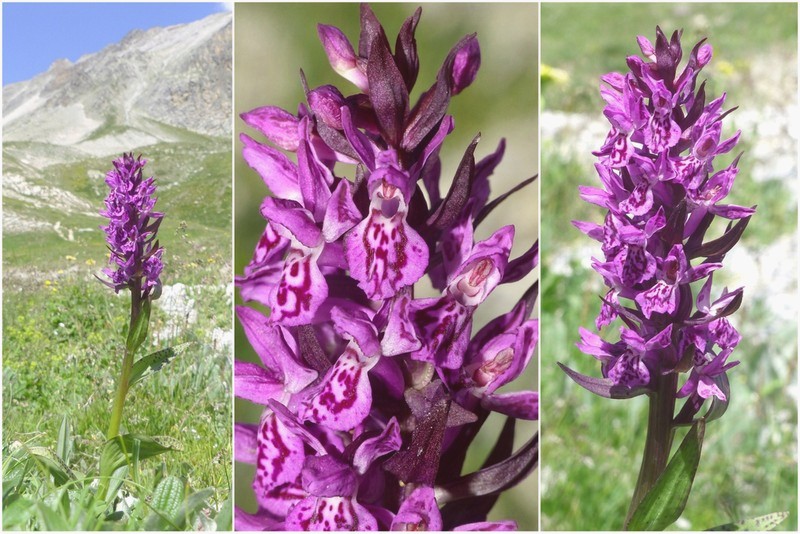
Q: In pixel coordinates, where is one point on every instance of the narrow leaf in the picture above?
(496, 202)
(387, 91)
(603, 387)
(757, 524)
(224, 519)
(495, 479)
(117, 452)
(64, 443)
(154, 361)
(664, 504)
(452, 206)
(722, 244)
(138, 333)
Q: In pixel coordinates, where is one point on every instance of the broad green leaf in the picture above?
(52, 519)
(154, 361)
(195, 502)
(118, 451)
(138, 332)
(54, 464)
(17, 511)
(64, 444)
(166, 502)
(761, 523)
(664, 504)
(224, 517)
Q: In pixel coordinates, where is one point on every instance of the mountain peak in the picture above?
(148, 87)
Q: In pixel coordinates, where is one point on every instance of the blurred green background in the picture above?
(273, 41)
(591, 446)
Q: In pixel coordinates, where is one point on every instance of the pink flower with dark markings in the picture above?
(371, 394)
(662, 193)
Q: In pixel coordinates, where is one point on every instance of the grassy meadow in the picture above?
(63, 339)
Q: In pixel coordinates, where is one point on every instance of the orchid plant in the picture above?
(662, 193)
(371, 394)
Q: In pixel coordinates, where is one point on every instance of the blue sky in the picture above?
(36, 34)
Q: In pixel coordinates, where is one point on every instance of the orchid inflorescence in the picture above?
(132, 228)
(662, 194)
(372, 396)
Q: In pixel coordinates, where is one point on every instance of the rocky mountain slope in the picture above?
(163, 92)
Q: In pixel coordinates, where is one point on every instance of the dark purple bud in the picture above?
(387, 92)
(405, 50)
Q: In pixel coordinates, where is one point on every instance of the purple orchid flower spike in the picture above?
(662, 193)
(132, 227)
(371, 395)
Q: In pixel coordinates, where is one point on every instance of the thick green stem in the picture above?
(127, 366)
(659, 439)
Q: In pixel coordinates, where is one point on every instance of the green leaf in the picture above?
(761, 523)
(139, 331)
(64, 444)
(224, 519)
(154, 361)
(52, 462)
(52, 520)
(17, 511)
(665, 502)
(195, 502)
(118, 451)
(166, 503)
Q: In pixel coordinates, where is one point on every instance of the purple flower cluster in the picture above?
(662, 194)
(132, 228)
(371, 395)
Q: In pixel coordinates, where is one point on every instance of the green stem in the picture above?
(122, 381)
(127, 366)
(659, 439)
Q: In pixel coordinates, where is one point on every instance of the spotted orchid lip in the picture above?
(361, 379)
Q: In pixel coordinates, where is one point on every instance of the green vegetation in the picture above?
(63, 336)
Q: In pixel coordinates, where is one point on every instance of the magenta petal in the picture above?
(661, 298)
(277, 125)
(277, 171)
(331, 513)
(245, 442)
(418, 512)
(385, 254)
(255, 383)
(261, 521)
(325, 476)
(280, 500)
(519, 404)
(301, 291)
(293, 217)
(387, 441)
(344, 397)
(341, 213)
(400, 336)
(280, 455)
(357, 326)
(341, 55)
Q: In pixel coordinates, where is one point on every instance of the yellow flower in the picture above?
(70, 258)
(47, 283)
